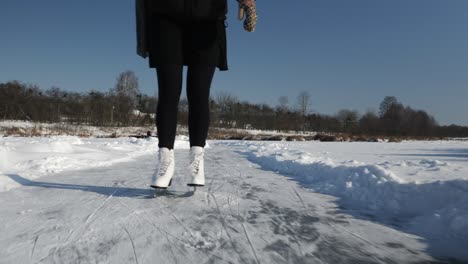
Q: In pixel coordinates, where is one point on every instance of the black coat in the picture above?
(196, 9)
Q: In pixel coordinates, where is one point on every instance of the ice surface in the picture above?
(68, 199)
(434, 209)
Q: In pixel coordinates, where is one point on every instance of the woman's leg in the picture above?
(169, 89)
(198, 93)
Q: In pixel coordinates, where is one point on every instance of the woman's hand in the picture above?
(249, 7)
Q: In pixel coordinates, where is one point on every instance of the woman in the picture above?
(174, 33)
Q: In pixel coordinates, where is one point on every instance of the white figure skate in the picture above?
(162, 178)
(197, 169)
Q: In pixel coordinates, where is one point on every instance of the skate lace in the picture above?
(195, 165)
(164, 165)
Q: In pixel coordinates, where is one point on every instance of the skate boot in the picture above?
(196, 167)
(162, 178)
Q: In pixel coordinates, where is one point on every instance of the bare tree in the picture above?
(304, 101)
(348, 120)
(227, 107)
(386, 104)
(127, 86)
(283, 102)
(370, 123)
(124, 97)
(282, 120)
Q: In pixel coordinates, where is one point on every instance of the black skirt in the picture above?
(186, 42)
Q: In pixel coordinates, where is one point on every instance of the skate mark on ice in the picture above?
(210, 186)
(173, 245)
(250, 243)
(170, 246)
(297, 226)
(235, 215)
(300, 197)
(209, 259)
(33, 248)
(223, 224)
(84, 252)
(219, 187)
(335, 251)
(336, 224)
(239, 178)
(133, 244)
(300, 227)
(289, 255)
(147, 219)
(163, 232)
(182, 225)
(289, 226)
(263, 239)
(401, 246)
(83, 225)
(88, 218)
(70, 233)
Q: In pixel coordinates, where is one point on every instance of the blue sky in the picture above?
(346, 54)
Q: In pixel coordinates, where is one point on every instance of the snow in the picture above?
(35, 157)
(70, 199)
(27, 128)
(434, 209)
(16, 123)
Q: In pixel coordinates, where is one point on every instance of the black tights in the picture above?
(198, 92)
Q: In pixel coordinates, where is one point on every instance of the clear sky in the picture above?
(345, 53)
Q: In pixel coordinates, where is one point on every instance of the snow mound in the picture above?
(432, 163)
(36, 157)
(435, 210)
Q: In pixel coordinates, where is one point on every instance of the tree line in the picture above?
(115, 107)
(125, 105)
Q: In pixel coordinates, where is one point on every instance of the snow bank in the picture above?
(20, 124)
(436, 210)
(39, 156)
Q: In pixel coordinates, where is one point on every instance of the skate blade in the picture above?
(158, 187)
(195, 185)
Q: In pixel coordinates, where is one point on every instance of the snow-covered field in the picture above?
(75, 200)
(27, 128)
